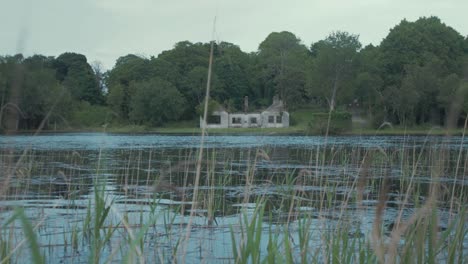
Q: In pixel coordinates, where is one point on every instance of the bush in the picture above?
(378, 118)
(213, 105)
(155, 102)
(87, 115)
(339, 122)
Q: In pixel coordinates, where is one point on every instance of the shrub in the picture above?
(87, 115)
(339, 122)
(156, 102)
(213, 105)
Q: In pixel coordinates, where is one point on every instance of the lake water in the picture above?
(148, 183)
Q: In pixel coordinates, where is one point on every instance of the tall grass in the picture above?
(339, 205)
(360, 205)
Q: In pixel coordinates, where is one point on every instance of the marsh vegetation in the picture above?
(100, 198)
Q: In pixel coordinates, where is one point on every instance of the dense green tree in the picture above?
(128, 69)
(189, 65)
(186, 55)
(449, 94)
(118, 101)
(418, 74)
(42, 97)
(232, 70)
(369, 84)
(368, 95)
(165, 70)
(12, 72)
(156, 102)
(186, 67)
(418, 92)
(333, 70)
(4, 91)
(75, 73)
(281, 60)
(416, 58)
(39, 62)
(100, 76)
(419, 43)
(194, 85)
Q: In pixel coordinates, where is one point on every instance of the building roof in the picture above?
(276, 106)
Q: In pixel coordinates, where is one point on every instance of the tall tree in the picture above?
(281, 60)
(128, 69)
(165, 70)
(416, 58)
(156, 102)
(333, 67)
(369, 85)
(75, 73)
(232, 69)
(419, 43)
(187, 62)
(42, 98)
(186, 55)
(100, 75)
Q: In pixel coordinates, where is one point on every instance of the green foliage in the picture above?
(248, 250)
(128, 69)
(74, 72)
(212, 106)
(418, 43)
(334, 122)
(415, 76)
(416, 58)
(94, 227)
(87, 115)
(333, 69)
(189, 64)
(118, 101)
(233, 71)
(41, 95)
(302, 117)
(369, 83)
(281, 60)
(156, 102)
(30, 236)
(194, 86)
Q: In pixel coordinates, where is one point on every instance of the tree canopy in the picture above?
(418, 74)
(334, 66)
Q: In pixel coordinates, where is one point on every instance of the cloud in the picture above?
(106, 29)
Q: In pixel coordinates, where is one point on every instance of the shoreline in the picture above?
(249, 131)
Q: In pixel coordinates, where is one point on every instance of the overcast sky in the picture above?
(104, 30)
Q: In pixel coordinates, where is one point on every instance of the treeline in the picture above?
(417, 75)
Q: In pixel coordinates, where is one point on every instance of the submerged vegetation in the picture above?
(415, 76)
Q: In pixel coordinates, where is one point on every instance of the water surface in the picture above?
(150, 179)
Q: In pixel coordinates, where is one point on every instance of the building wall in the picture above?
(266, 115)
(246, 120)
(224, 118)
(285, 119)
(257, 117)
(239, 117)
